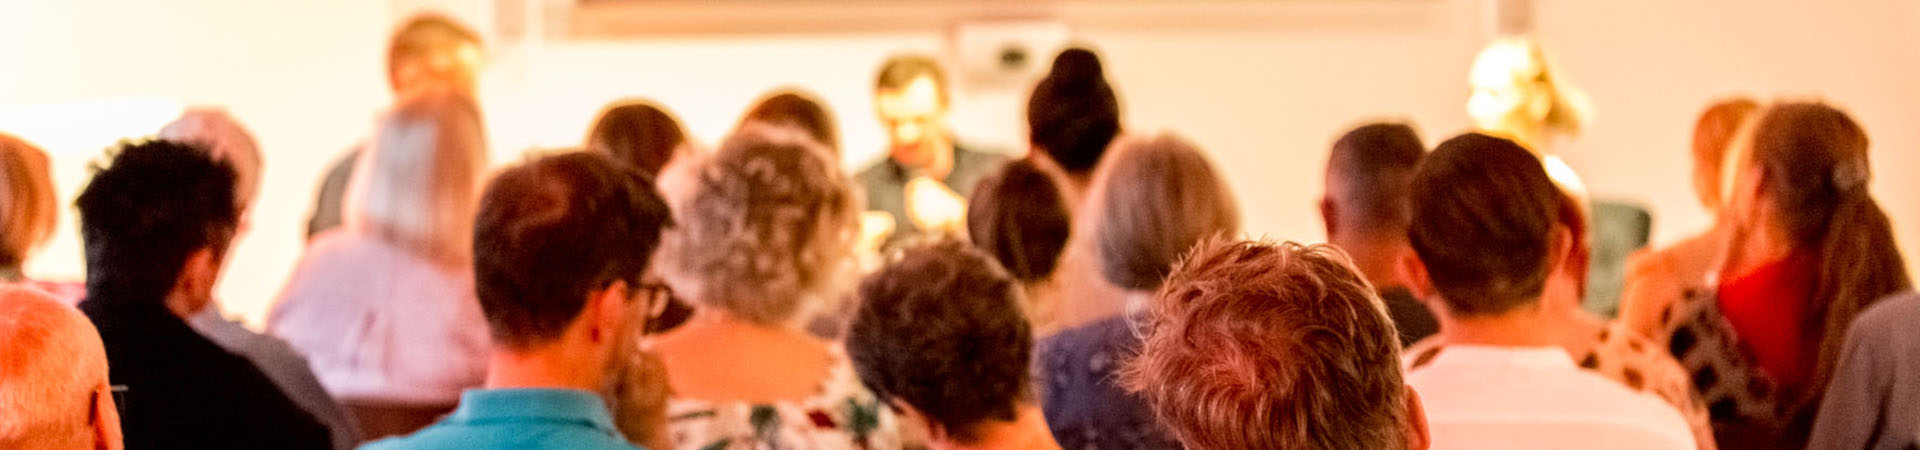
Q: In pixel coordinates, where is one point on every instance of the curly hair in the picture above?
(1255, 345)
(766, 226)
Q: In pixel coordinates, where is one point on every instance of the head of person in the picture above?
(219, 133)
(1020, 216)
(1254, 345)
(1801, 181)
(766, 227)
(1486, 227)
(639, 132)
(1365, 204)
(53, 376)
(941, 336)
(1713, 132)
(1517, 91)
(416, 185)
(796, 108)
(560, 245)
(27, 211)
(156, 220)
(911, 97)
(1073, 115)
(1156, 199)
(433, 53)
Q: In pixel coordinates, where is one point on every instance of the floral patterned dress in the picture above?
(843, 415)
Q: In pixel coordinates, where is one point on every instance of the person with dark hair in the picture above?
(1020, 216)
(1073, 115)
(1486, 235)
(638, 132)
(429, 54)
(1308, 356)
(927, 175)
(156, 221)
(1809, 249)
(560, 245)
(940, 336)
(1365, 210)
(796, 108)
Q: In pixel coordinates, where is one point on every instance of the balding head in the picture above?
(53, 376)
(217, 132)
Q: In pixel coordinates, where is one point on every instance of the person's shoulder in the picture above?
(1890, 314)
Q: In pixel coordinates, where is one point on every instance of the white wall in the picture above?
(1266, 101)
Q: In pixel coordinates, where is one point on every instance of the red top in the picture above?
(1766, 308)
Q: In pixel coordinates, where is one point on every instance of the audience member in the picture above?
(384, 308)
(1486, 236)
(156, 222)
(1254, 345)
(27, 211)
(940, 335)
(1154, 200)
(640, 133)
(53, 377)
(925, 178)
(766, 224)
(1365, 210)
(430, 54)
(1874, 399)
(1021, 217)
(560, 245)
(1693, 259)
(1809, 248)
(1073, 116)
(797, 108)
(226, 140)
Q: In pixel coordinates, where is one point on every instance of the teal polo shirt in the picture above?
(518, 419)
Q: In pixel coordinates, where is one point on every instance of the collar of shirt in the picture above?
(571, 406)
(1518, 357)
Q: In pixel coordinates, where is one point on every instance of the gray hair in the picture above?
(418, 185)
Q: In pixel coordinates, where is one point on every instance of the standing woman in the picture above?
(1809, 249)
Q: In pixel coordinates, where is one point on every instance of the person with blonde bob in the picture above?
(765, 228)
(27, 211)
(385, 308)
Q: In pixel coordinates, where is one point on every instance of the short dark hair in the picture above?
(146, 210)
(554, 229)
(943, 331)
(1073, 115)
(1255, 345)
(1484, 212)
(1020, 216)
(1373, 165)
(425, 35)
(638, 132)
(900, 71)
(793, 107)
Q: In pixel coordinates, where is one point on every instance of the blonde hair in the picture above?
(217, 132)
(765, 226)
(54, 358)
(27, 211)
(1570, 109)
(1156, 197)
(418, 185)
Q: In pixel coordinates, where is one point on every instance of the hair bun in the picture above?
(1077, 67)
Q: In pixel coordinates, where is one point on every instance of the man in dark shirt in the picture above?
(1365, 209)
(156, 222)
(911, 100)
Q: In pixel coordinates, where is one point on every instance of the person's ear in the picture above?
(1414, 273)
(1560, 252)
(105, 418)
(607, 309)
(1330, 215)
(935, 432)
(1418, 437)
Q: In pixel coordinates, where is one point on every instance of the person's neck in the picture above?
(1028, 431)
(1374, 256)
(184, 306)
(1527, 326)
(1756, 249)
(554, 366)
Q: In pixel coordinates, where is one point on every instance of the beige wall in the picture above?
(1266, 101)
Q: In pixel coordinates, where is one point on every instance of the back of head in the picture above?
(218, 132)
(53, 365)
(149, 208)
(415, 186)
(638, 132)
(791, 107)
(1261, 346)
(1484, 215)
(1157, 198)
(27, 211)
(1073, 115)
(426, 52)
(766, 226)
(1020, 216)
(553, 230)
(1814, 171)
(1712, 133)
(942, 331)
(1367, 176)
(901, 70)
(1533, 71)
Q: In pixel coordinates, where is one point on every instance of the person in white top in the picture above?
(1484, 235)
